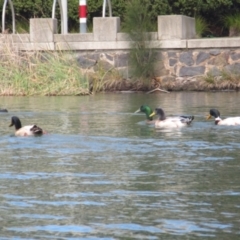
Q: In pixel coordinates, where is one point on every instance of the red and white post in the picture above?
(83, 15)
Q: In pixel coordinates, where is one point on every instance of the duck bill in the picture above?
(152, 114)
(208, 117)
(10, 125)
(138, 111)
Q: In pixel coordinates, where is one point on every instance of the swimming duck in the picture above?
(170, 122)
(3, 110)
(31, 130)
(227, 121)
(148, 111)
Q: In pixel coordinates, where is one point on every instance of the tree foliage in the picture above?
(211, 10)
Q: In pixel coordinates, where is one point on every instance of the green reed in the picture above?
(41, 73)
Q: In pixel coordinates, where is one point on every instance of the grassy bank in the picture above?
(59, 74)
(40, 73)
(225, 81)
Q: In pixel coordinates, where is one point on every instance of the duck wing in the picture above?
(230, 121)
(36, 130)
(186, 119)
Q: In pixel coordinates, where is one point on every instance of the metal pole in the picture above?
(110, 8)
(105, 2)
(64, 16)
(82, 11)
(13, 16)
(54, 8)
(4, 14)
(63, 11)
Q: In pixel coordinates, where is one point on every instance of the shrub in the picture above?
(201, 25)
(138, 25)
(232, 22)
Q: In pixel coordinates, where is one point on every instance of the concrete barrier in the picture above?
(42, 30)
(180, 54)
(106, 29)
(174, 32)
(176, 27)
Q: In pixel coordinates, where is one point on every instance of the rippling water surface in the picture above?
(101, 173)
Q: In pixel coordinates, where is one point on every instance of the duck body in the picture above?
(148, 111)
(231, 121)
(3, 110)
(171, 122)
(30, 130)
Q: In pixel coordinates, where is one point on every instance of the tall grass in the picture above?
(141, 57)
(22, 24)
(201, 25)
(232, 22)
(227, 80)
(40, 73)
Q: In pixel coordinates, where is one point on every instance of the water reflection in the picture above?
(102, 173)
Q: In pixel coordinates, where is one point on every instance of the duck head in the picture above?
(213, 113)
(160, 113)
(147, 110)
(216, 114)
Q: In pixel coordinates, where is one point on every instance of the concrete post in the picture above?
(42, 30)
(176, 27)
(106, 29)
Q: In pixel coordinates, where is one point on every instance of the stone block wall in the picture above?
(170, 64)
(194, 63)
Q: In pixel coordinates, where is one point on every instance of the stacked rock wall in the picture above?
(170, 64)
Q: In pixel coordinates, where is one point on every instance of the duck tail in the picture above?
(37, 130)
(190, 119)
(187, 119)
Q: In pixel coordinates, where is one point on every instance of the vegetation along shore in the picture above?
(55, 74)
(143, 68)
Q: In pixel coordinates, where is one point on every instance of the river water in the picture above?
(102, 173)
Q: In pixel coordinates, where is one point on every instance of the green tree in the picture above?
(26, 9)
(211, 10)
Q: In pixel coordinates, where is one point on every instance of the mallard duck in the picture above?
(31, 130)
(170, 122)
(148, 111)
(227, 121)
(3, 110)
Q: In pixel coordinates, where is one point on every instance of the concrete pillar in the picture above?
(176, 27)
(42, 30)
(106, 28)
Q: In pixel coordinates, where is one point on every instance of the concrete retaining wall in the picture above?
(180, 54)
(171, 64)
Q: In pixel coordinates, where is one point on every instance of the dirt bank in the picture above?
(177, 84)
